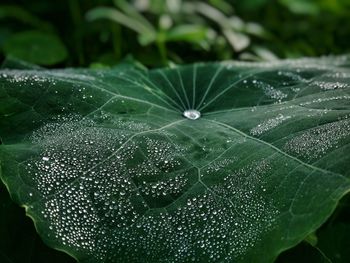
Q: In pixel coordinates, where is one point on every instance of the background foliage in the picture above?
(100, 33)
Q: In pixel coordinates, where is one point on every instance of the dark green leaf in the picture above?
(301, 7)
(121, 18)
(36, 47)
(110, 170)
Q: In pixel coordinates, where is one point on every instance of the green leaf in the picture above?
(302, 7)
(121, 18)
(131, 11)
(36, 47)
(110, 170)
(189, 33)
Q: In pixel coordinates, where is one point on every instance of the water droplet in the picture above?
(192, 114)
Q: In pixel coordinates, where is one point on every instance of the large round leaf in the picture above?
(110, 170)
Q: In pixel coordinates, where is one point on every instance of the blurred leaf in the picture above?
(235, 23)
(117, 16)
(238, 41)
(249, 56)
(131, 11)
(146, 39)
(222, 5)
(256, 30)
(154, 6)
(264, 53)
(302, 7)
(97, 65)
(229, 26)
(173, 6)
(188, 33)
(36, 47)
(211, 13)
(196, 34)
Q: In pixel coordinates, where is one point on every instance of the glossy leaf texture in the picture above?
(110, 170)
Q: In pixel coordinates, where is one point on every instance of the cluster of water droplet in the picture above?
(324, 99)
(292, 77)
(330, 85)
(268, 124)
(25, 77)
(316, 142)
(242, 189)
(67, 75)
(171, 187)
(120, 191)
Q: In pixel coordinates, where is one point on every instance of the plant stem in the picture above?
(162, 48)
(117, 40)
(76, 17)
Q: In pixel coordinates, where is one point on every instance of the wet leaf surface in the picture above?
(218, 162)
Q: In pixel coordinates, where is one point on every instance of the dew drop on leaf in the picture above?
(192, 114)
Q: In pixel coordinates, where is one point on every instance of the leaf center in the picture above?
(192, 114)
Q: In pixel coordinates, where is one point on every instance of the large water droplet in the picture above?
(192, 114)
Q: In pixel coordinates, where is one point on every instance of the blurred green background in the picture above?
(100, 33)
